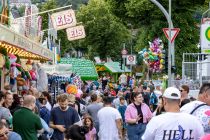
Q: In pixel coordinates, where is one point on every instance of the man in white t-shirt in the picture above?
(173, 125)
(201, 107)
(123, 79)
(109, 122)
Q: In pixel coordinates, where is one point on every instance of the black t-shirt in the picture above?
(66, 118)
(138, 107)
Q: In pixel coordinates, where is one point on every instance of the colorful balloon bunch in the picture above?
(153, 56)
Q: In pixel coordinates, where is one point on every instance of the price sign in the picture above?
(64, 19)
(75, 33)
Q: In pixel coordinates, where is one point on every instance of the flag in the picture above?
(51, 31)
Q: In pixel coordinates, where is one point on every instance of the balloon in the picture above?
(71, 89)
(161, 66)
(141, 52)
(33, 74)
(161, 61)
(151, 57)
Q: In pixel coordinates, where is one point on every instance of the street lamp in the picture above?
(171, 56)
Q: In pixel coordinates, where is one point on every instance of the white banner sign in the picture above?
(74, 33)
(131, 59)
(205, 38)
(64, 19)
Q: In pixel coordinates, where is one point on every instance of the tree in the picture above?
(105, 32)
(151, 21)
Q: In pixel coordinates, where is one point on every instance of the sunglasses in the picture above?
(181, 90)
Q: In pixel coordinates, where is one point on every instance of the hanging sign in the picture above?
(74, 33)
(63, 19)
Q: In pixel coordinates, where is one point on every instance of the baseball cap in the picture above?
(172, 93)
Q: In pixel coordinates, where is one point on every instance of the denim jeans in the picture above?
(135, 131)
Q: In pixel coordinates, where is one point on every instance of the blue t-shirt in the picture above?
(14, 136)
(66, 118)
(45, 114)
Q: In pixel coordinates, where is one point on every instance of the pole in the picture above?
(169, 47)
(124, 58)
(171, 56)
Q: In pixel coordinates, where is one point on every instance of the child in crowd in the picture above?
(122, 109)
(91, 135)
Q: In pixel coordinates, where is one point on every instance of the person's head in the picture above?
(63, 101)
(29, 102)
(107, 100)
(16, 101)
(136, 98)
(43, 101)
(71, 99)
(122, 100)
(160, 101)
(21, 100)
(171, 99)
(46, 95)
(204, 93)
(88, 121)
(3, 131)
(76, 132)
(184, 89)
(8, 100)
(93, 97)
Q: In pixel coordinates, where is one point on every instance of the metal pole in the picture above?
(169, 47)
(200, 70)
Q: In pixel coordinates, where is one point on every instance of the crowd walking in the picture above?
(123, 111)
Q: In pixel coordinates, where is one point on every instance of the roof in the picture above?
(82, 67)
(115, 67)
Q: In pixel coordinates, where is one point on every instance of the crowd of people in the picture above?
(107, 111)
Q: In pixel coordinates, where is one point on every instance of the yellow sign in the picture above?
(100, 68)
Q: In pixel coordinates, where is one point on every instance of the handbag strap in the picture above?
(197, 108)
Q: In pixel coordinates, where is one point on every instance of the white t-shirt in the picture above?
(173, 126)
(202, 113)
(107, 123)
(123, 79)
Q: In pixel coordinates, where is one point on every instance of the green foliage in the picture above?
(150, 20)
(105, 32)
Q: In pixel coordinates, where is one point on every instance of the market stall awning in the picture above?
(82, 67)
(114, 67)
(22, 46)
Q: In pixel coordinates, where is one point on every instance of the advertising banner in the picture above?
(63, 19)
(75, 33)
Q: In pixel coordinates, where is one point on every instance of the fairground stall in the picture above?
(17, 54)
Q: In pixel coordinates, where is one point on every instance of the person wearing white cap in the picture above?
(173, 125)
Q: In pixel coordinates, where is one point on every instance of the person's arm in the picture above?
(59, 127)
(128, 117)
(119, 127)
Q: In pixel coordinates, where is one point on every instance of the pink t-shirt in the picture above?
(90, 133)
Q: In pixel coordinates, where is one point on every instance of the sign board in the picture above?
(131, 59)
(205, 38)
(75, 33)
(24, 43)
(59, 69)
(63, 19)
(124, 52)
(174, 33)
